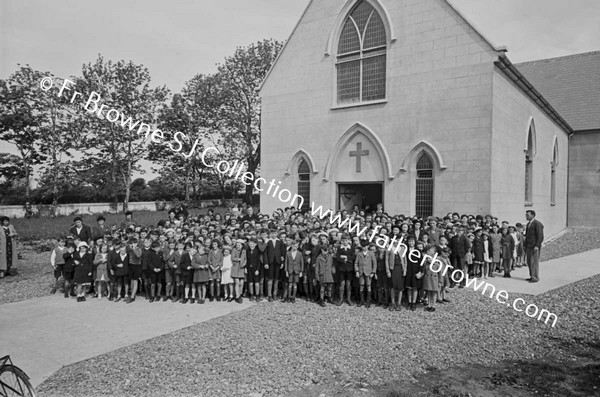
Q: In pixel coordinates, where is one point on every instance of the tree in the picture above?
(20, 121)
(119, 146)
(189, 122)
(11, 173)
(241, 76)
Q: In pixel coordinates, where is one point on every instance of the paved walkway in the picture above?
(44, 334)
(554, 273)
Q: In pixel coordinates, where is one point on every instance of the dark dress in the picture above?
(397, 274)
(187, 275)
(83, 270)
(68, 269)
(8, 248)
(412, 268)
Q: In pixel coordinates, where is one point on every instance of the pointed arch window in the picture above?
(529, 164)
(361, 56)
(424, 186)
(553, 166)
(304, 184)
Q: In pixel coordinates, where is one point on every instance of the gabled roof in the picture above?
(447, 2)
(571, 84)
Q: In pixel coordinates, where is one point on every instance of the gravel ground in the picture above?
(573, 241)
(34, 276)
(302, 349)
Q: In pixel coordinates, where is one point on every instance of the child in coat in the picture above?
(414, 273)
(443, 274)
(83, 263)
(324, 273)
(365, 266)
(294, 266)
(169, 261)
(215, 263)
(101, 263)
(383, 282)
(187, 271)
(238, 271)
(430, 279)
(200, 265)
(69, 269)
(58, 264)
(226, 279)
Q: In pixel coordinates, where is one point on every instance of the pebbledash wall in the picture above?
(441, 83)
(584, 179)
(512, 116)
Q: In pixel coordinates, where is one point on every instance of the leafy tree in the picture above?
(241, 76)
(20, 122)
(12, 173)
(189, 122)
(117, 147)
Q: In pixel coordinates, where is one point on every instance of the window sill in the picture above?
(352, 105)
(528, 204)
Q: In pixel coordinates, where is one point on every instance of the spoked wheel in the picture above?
(14, 382)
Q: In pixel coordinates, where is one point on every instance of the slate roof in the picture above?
(571, 84)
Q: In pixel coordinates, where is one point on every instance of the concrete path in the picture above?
(44, 334)
(554, 273)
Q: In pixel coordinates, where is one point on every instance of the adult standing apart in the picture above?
(8, 246)
(534, 236)
(81, 231)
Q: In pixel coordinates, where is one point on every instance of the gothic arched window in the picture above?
(361, 56)
(529, 163)
(424, 188)
(553, 174)
(304, 184)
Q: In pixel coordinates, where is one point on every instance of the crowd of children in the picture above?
(287, 255)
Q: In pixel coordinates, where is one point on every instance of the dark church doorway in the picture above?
(364, 195)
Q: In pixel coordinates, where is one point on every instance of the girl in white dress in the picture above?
(226, 279)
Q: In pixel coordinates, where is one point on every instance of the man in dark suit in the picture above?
(81, 231)
(534, 236)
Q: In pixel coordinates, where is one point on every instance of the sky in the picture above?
(178, 39)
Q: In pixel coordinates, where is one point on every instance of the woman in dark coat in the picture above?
(8, 246)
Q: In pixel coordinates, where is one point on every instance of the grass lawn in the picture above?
(50, 228)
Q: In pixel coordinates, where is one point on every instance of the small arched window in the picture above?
(424, 187)
(554, 164)
(304, 184)
(529, 163)
(361, 56)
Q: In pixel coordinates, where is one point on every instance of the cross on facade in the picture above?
(358, 154)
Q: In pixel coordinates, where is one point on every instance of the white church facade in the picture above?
(405, 103)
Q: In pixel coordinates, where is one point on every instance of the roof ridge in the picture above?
(564, 57)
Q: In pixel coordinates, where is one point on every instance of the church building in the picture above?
(405, 103)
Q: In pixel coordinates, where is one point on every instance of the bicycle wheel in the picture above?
(14, 382)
